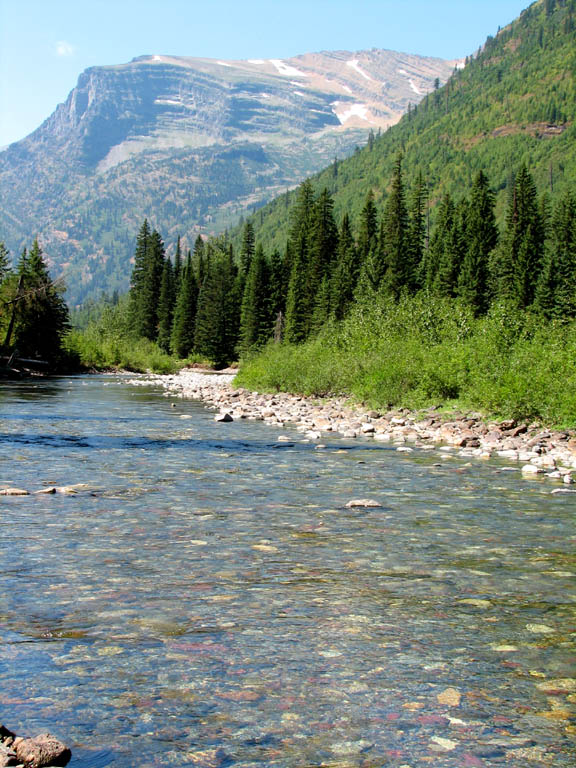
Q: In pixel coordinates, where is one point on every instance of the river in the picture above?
(205, 598)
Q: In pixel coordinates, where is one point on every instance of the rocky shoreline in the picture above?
(538, 451)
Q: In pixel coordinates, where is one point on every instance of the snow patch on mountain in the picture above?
(286, 69)
(355, 64)
(414, 87)
(345, 112)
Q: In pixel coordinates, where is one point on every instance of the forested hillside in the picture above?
(513, 104)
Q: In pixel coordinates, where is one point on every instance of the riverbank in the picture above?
(537, 451)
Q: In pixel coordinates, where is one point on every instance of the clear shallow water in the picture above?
(210, 601)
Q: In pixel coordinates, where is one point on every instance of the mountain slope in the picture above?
(191, 144)
(514, 103)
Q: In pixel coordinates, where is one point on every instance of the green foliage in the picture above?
(34, 316)
(109, 343)
(429, 350)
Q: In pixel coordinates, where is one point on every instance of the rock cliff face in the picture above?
(191, 144)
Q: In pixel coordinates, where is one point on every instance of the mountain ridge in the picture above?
(191, 144)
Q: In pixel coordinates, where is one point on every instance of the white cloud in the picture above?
(64, 49)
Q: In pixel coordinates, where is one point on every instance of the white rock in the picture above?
(531, 469)
(363, 503)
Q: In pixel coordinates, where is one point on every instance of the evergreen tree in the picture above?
(368, 228)
(41, 313)
(137, 279)
(395, 236)
(297, 309)
(480, 239)
(4, 261)
(347, 271)
(278, 283)
(416, 235)
(183, 326)
(216, 328)
(255, 315)
(177, 268)
(323, 242)
(166, 304)
(248, 247)
(517, 262)
(556, 290)
(146, 280)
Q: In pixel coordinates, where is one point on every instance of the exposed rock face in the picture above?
(191, 144)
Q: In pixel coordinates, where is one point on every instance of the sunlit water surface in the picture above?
(209, 600)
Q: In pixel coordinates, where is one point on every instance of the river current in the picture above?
(205, 598)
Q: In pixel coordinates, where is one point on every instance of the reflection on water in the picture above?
(206, 599)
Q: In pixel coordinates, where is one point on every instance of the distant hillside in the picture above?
(191, 144)
(513, 103)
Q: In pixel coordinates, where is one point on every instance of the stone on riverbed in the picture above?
(223, 417)
(363, 503)
(43, 750)
(13, 492)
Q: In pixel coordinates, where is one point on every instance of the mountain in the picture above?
(513, 103)
(192, 144)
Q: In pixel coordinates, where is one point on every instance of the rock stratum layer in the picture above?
(191, 144)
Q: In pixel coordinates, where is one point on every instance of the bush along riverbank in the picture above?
(427, 351)
(540, 452)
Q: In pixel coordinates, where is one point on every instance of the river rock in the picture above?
(13, 492)
(531, 469)
(363, 503)
(7, 756)
(223, 417)
(43, 750)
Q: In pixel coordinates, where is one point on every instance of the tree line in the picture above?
(213, 304)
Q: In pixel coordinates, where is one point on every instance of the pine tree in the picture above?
(517, 262)
(395, 235)
(177, 268)
(347, 271)
(368, 228)
(166, 304)
(323, 242)
(4, 261)
(145, 283)
(556, 290)
(255, 315)
(416, 235)
(297, 310)
(217, 320)
(41, 313)
(278, 283)
(480, 239)
(137, 279)
(248, 247)
(183, 326)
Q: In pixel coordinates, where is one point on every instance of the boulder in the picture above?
(223, 417)
(7, 756)
(43, 750)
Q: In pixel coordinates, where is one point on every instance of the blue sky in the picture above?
(46, 44)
